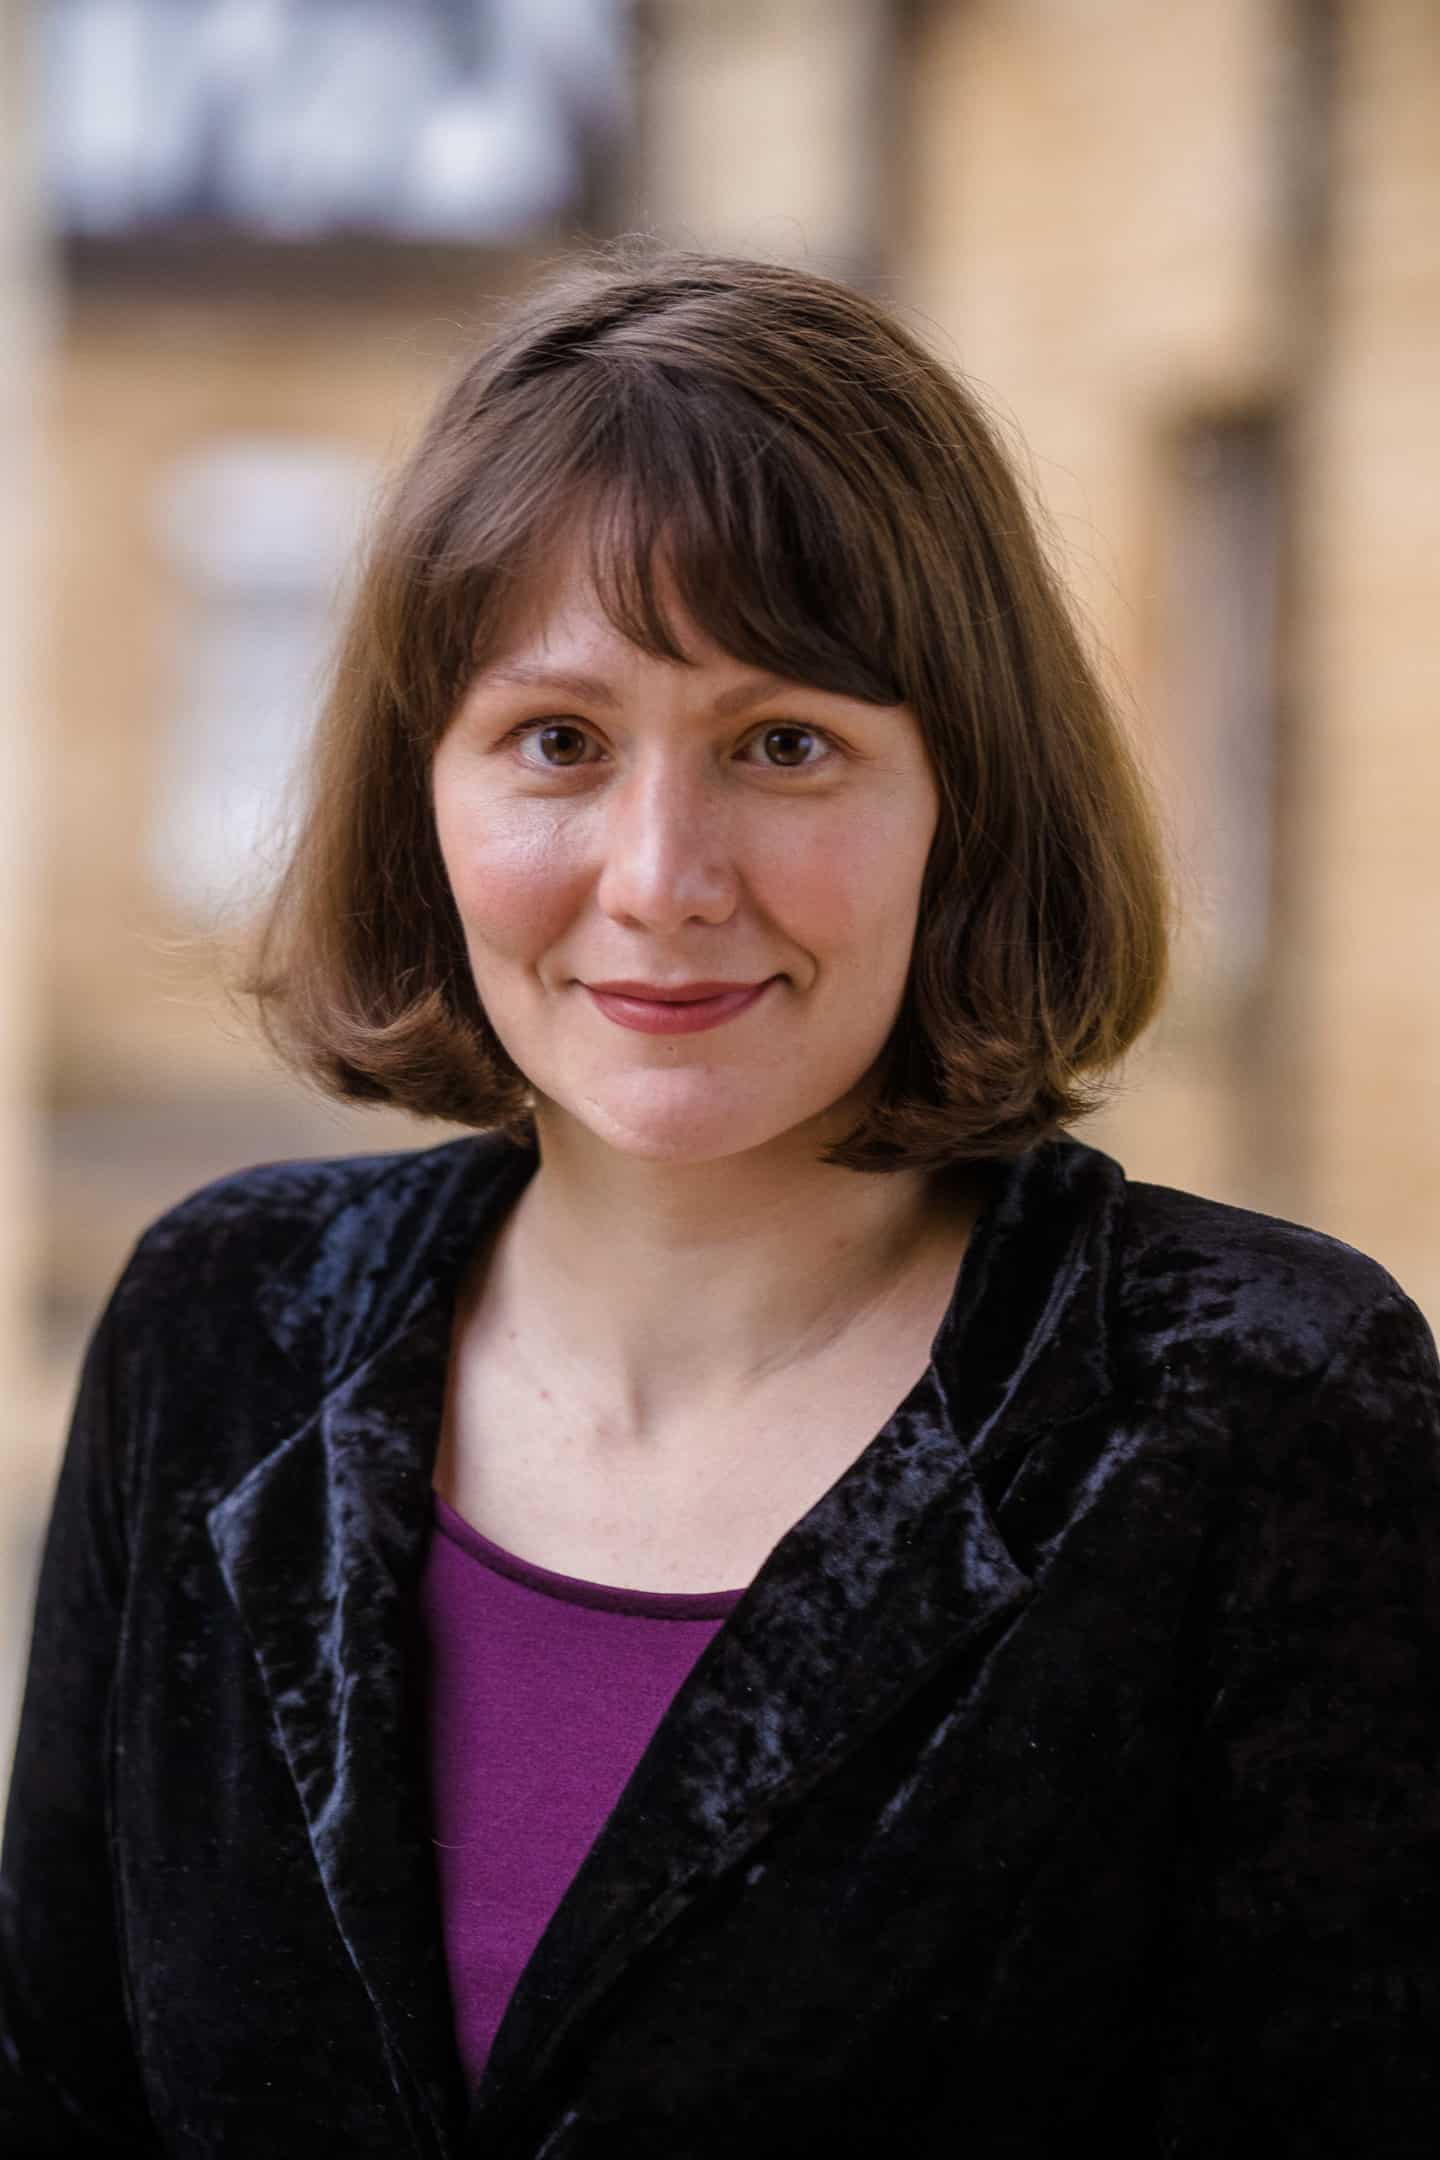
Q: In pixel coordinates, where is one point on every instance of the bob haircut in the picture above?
(827, 503)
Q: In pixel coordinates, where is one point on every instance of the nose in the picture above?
(668, 854)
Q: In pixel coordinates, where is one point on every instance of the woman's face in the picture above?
(706, 833)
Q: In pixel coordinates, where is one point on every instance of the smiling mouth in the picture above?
(684, 1009)
(674, 993)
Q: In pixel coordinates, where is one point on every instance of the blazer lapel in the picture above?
(321, 1548)
(897, 1568)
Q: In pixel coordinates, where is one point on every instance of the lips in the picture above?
(675, 1008)
(673, 993)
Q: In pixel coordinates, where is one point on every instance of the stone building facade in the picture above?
(1193, 252)
(27, 1417)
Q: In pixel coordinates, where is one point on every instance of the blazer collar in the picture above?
(895, 1569)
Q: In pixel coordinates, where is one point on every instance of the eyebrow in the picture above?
(594, 690)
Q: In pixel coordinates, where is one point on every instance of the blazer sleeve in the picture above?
(69, 2083)
(1305, 2017)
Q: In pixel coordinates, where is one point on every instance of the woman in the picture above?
(765, 1598)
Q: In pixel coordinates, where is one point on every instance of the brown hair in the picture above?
(827, 503)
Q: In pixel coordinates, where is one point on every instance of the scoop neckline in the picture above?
(574, 1589)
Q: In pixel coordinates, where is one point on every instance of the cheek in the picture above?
(858, 891)
(512, 876)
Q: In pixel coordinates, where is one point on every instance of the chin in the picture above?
(684, 1124)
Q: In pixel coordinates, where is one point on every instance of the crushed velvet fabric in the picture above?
(1065, 1778)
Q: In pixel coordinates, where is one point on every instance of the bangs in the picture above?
(689, 502)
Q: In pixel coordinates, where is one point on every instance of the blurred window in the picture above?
(435, 120)
(1219, 601)
(259, 532)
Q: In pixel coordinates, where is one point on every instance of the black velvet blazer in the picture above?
(1065, 1780)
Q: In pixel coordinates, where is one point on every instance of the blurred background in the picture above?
(1189, 255)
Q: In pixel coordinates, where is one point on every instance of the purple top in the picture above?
(543, 1694)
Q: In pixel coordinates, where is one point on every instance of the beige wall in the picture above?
(1120, 219)
(766, 129)
(156, 1082)
(24, 339)
(1367, 930)
(24, 326)
(144, 381)
(1094, 238)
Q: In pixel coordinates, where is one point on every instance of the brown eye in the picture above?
(788, 745)
(561, 744)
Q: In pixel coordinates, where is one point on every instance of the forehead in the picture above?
(562, 612)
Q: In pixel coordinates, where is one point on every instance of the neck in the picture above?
(653, 1287)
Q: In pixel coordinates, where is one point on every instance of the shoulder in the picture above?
(1257, 1262)
(262, 1213)
(288, 1243)
(244, 1304)
(1273, 1301)
(266, 1202)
